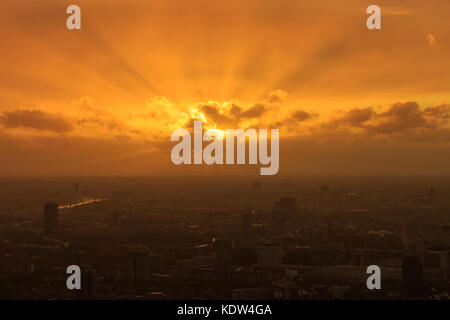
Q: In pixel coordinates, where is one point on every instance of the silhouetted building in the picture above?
(442, 234)
(432, 194)
(445, 264)
(269, 254)
(412, 276)
(247, 221)
(432, 258)
(307, 255)
(157, 262)
(251, 294)
(256, 186)
(287, 204)
(50, 218)
(286, 185)
(138, 265)
(243, 256)
(330, 230)
(88, 283)
(283, 210)
(223, 244)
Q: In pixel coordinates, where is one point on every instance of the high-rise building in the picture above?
(444, 264)
(442, 234)
(287, 204)
(269, 254)
(246, 223)
(284, 209)
(313, 256)
(412, 276)
(139, 265)
(247, 220)
(431, 196)
(330, 229)
(244, 256)
(256, 186)
(50, 218)
(223, 244)
(88, 283)
(286, 185)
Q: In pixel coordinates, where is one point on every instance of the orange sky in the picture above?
(104, 100)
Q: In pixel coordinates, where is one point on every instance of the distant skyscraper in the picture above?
(330, 229)
(412, 276)
(431, 196)
(138, 265)
(284, 209)
(50, 218)
(269, 254)
(88, 283)
(286, 185)
(445, 264)
(247, 221)
(287, 204)
(244, 256)
(256, 186)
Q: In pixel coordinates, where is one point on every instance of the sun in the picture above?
(218, 134)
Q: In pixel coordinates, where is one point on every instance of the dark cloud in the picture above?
(278, 96)
(356, 117)
(98, 119)
(301, 115)
(400, 117)
(234, 115)
(254, 112)
(439, 111)
(35, 119)
(98, 122)
(294, 119)
(402, 121)
(213, 114)
(403, 139)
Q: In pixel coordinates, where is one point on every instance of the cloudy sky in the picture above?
(104, 100)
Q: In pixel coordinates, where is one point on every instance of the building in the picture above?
(431, 196)
(283, 210)
(251, 294)
(412, 276)
(312, 256)
(223, 244)
(157, 262)
(269, 254)
(246, 220)
(243, 256)
(432, 258)
(50, 218)
(88, 283)
(442, 234)
(287, 204)
(257, 186)
(139, 266)
(445, 264)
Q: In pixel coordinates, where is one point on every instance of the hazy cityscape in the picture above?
(225, 237)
